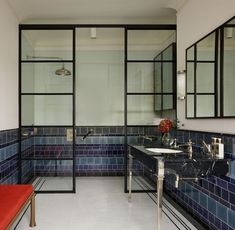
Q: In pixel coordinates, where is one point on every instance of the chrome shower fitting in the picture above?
(60, 72)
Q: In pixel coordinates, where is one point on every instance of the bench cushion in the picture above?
(12, 198)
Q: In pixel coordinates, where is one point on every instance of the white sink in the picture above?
(158, 151)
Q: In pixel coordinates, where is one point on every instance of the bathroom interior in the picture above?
(84, 99)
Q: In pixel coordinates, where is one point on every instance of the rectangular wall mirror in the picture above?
(210, 67)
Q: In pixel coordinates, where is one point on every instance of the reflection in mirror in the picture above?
(190, 77)
(201, 78)
(190, 106)
(205, 78)
(164, 79)
(229, 70)
(205, 106)
(210, 64)
(206, 48)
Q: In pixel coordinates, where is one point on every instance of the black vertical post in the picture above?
(125, 108)
(19, 162)
(74, 109)
(222, 72)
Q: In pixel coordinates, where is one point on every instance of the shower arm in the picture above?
(42, 57)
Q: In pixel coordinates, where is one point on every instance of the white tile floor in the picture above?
(99, 204)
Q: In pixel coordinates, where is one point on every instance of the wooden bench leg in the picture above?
(32, 212)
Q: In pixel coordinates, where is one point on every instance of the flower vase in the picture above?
(165, 138)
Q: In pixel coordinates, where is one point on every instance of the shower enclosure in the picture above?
(77, 78)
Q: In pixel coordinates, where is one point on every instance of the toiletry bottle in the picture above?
(214, 147)
(220, 153)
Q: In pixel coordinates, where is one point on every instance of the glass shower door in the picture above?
(47, 124)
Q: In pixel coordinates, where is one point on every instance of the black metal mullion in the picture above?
(161, 55)
(19, 163)
(195, 81)
(47, 94)
(222, 72)
(74, 109)
(174, 76)
(125, 107)
(216, 74)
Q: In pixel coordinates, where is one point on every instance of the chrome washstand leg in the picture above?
(160, 178)
(130, 176)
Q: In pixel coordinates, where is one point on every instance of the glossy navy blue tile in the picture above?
(222, 183)
(224, 226)
(203, 200)
(218, 191)
(224, 194)
(212, 205)
(231, 219)
(222, 212)
(211, 187)
(232, 198)
(231, 187)
(211, 218)
(217, 223)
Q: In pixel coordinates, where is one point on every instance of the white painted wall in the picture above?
(8, 68)
(195, 20)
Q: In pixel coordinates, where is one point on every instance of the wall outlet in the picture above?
(69, 135)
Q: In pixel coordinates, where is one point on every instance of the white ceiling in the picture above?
(106, 10)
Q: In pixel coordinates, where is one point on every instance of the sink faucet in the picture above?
(207, 146)
(147, 138)
(189, 147)
(87, 134)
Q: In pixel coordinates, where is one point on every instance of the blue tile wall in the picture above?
(101, 153)
(8, 156)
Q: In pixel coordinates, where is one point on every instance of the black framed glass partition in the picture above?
(53, 105)
(150, 68)
(46, 99)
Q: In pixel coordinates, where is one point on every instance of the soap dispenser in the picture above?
(220, 153)
(214, 146)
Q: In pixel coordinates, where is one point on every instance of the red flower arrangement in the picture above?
(165, 125)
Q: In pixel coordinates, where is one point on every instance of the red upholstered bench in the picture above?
(13, 200)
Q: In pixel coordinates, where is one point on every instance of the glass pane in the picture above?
(167, 54)
(146, 44)
(157, 77)
(229, 70)
(41, 78)
(140, 110)
(48, 174)
(206, 48)
(231, 21)
(47, 45)
(190, 53)
(100, 77)
(205, 106)
(167, 102)
(190, 77)
(46, 110)
(205, 78)
(140, 78)
(167, 77)
(190, 105)
(158, 102)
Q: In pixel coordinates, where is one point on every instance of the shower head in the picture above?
(63, 72)
(60, 72)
